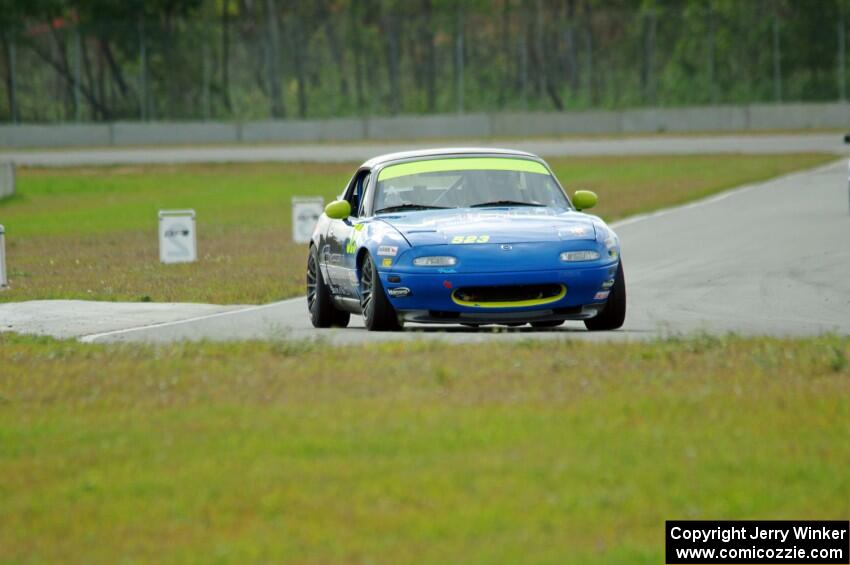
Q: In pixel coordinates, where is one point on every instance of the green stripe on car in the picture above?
(462, 164)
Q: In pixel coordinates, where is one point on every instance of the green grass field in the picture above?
(91, 233)
(532, 451)
(562, 452)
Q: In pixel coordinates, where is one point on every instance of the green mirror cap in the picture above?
(338, 209)
(584, 199)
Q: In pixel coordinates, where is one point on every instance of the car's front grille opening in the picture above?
(568, 311)
(443, 315)
(526, 294)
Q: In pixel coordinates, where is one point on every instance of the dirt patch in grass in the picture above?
(235, 266)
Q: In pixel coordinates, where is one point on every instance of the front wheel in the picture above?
(378, 314)
(323, 313)
(613, 314)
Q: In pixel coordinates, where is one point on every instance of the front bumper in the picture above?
(482, 318)
(430, 295)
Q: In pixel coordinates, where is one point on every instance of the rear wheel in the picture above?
(613, 314)
(547, 324)
(378, 314)
(323, 313)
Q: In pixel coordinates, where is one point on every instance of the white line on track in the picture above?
(91, 338)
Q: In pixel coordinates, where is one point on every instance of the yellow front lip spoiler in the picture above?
(511, 303)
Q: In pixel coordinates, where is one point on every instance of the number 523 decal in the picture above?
(471, 239)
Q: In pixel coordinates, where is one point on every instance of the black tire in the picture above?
(613, 314)
(547, 324)
(323, 313)
(378, 314)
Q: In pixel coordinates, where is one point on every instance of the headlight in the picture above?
(570, 256)
(436, 261)
(605, 235)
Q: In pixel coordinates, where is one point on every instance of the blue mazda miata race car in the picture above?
(463, 236)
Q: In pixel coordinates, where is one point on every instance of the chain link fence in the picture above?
(277, 64)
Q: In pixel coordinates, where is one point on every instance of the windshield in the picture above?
(466, 183)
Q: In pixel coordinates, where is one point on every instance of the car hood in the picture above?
(499, 225)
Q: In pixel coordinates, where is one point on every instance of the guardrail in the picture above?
(756, 117)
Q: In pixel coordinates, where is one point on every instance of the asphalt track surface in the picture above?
(767, 259)
(329, 152)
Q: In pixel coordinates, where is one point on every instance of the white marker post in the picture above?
(177, 241)
(4, 282)
(305, 214)
(7, 179)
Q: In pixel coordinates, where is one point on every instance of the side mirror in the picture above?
(584, 199)
(338, 210)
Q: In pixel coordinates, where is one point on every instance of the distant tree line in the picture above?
(98, 60)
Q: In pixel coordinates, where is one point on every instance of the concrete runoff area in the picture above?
(74, 318)
(343, 153)
(766, 259)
